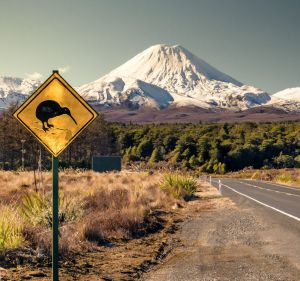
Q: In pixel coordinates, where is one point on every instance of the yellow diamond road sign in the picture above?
(55, 114)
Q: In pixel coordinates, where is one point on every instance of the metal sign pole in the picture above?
(54, 218)
(75, 115)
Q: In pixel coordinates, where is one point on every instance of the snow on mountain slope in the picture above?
(288, 99)
(160, 76)
(132, 92)
(187, 79)
(14, 89)
(290, 94)
(171, 66)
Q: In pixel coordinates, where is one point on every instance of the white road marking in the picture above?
(261, 203)
(263, 188)
(275, 184)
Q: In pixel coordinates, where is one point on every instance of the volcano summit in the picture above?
(165, 75)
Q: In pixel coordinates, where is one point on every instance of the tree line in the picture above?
(98, 139)
(211, 148)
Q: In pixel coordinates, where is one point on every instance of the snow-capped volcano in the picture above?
(288, 99)
(127, 91)
(163, 75)
(290, 94)
(171, 66)
(14, 89)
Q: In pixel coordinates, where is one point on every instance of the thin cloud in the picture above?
(34, 76)
(64, 69)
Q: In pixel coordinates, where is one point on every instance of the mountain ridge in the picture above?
(287, 100)
(15, 89)
(188, 79)
(161, 77)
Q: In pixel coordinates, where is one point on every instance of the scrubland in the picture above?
(94, 208)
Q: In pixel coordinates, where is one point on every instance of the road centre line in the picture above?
(261, 203)
(277, 191)
(275, 184)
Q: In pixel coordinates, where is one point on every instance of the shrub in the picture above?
(40, 239)
(36, 208)
(103, 200)
(297, 161)
(113, 224)
(10, 229)
(155, 156)
(179, 186)
(284, 178)
(284, 161)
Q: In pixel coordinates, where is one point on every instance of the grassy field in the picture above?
(94, 208)
(116, 223)
(113, 226)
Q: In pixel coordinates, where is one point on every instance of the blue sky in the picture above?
(255, 41)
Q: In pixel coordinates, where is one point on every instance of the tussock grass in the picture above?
(179, 186)
(94, 207)
(40, 238)
(36, 208)
(118, 208)
(10, 229)
(124, 223)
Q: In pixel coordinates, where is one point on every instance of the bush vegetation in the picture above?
(179, 186)
(36, 208)
(93, 207)
(212, 148)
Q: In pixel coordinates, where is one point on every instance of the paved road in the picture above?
(257, 239)
(278, 198)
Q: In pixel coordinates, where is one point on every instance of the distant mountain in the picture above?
(161, 79)
(289, 94)
(13, 90)
(163, 75)
(287, 100)
(133, 93)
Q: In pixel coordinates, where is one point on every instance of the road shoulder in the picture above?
(230, 242)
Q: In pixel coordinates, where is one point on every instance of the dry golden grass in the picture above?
(10, 228)
(83, 183)
(94, 207)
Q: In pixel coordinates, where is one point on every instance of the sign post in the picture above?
(55, 114)
(55, 218)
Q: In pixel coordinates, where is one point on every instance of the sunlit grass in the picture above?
(179, 186)
(93, 207)
(10, 229)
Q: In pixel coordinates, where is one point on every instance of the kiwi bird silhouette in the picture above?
(50, 109)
